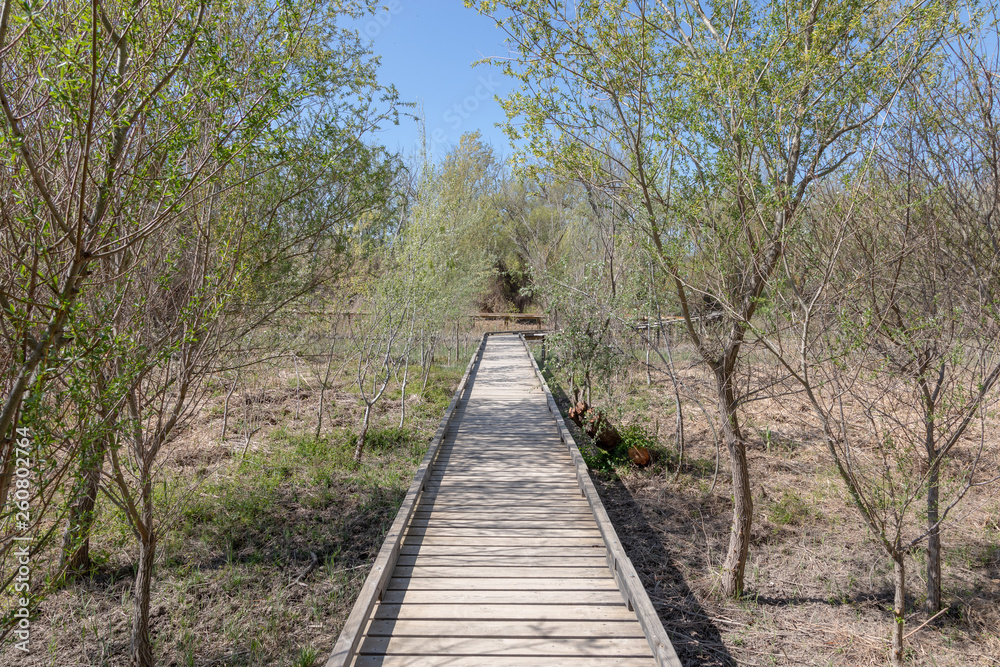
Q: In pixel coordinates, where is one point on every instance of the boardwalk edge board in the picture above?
(375, 585)
(621, 566)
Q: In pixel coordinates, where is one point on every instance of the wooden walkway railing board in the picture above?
(501, 561)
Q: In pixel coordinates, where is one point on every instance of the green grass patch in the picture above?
(791, 509)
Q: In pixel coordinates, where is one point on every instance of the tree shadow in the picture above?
(695, 636)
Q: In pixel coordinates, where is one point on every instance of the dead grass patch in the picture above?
(818, 588)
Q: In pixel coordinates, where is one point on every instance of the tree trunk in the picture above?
(649, 376)
(142, 649)
(426, 368)
(402, 392)
(933, 543)
(739, 537)
(322, 389)
(364, 433)
(76, 537)
(225, 410)
(679, 425)
(933, 496)
(898, 609)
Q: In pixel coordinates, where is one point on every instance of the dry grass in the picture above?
(264, 541)
(818, 587)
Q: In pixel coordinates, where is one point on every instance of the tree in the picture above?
(897, 355)
(381, 342)
(156, 190)
(952, 140)
(710, 129)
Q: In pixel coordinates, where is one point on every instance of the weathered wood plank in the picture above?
(504, 597)
(481, 541)
(525, 523)
(538, 629)
(451, 499)
(547, 571)
(553, 505)
(416, 531)
(555, 513)
(478, 582)
(510, 646)
(531, 613)
(495, 661)
(498, 479)
(504, 550)
(527, 489)
(569, 562)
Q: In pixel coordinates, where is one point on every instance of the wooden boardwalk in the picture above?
(501, 561)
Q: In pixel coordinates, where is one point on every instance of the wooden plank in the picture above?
(496, 661)
(490, 457)
(475, 582)
(512, 500)
(557, 463)
(500, 488)
(494, 429)
(537, 488)
(503, 541)
(538, 629)
(506, 612)
(503, 597)
(511, 513)
(525, 498)
(503, 550)
(506, 422)
(499, 519)
(505, 533)
(568, 562)
(520, 523)
(507, 464)
(503, 464)
(508, 438)
(525, 457)
(454, 501)
(506, 646)
(449, 526)
(497, 478)
(541, 479)
(460, 502)
(541, 572)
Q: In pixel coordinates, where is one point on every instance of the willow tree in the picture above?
(710, 124)
(139, 231)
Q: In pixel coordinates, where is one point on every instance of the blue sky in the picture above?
(427, 49)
